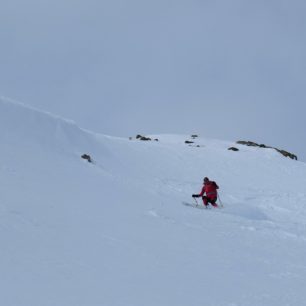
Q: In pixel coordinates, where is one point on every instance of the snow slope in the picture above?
(116, 233)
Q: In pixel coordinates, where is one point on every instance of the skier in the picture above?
(210, 189)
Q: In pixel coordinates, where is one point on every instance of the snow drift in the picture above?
(116, 233)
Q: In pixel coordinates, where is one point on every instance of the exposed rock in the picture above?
(194, 136)
(87, 157)
(248, 143)
(233, 149)
(143, 138)
(287, 154)
(254, 144)
(188, 141)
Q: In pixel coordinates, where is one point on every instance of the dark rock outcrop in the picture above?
(233, 149)
(143, 138)
(87, 157)
(287, 154)
(254, 144)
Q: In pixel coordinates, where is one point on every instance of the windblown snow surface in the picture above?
(116, 232)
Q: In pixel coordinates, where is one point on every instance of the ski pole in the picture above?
(196, 201)
(219, 200)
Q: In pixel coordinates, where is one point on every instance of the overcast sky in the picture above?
(227, 69)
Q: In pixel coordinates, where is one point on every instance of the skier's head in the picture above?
(206, 179)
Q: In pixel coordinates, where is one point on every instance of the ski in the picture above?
(193, 205)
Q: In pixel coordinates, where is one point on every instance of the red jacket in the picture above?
(210, 188)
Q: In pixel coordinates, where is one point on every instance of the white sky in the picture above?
(223, 69)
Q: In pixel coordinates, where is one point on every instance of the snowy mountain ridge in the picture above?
(28, 124)
(116, 233)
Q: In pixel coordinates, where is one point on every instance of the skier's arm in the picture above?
(202, 192)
